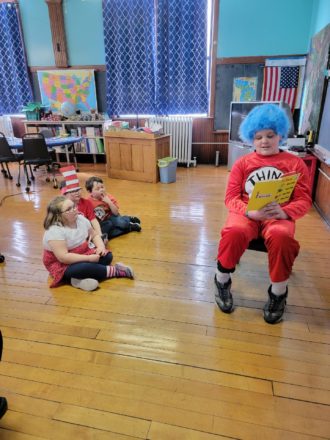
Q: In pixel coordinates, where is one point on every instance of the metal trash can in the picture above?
(167, 169)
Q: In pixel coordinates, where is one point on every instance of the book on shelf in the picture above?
(90, 132)
(100, 145)
(91, 145)
(82, 147)
(268, 191)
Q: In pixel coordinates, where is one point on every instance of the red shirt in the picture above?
(101, 209)
(254, 167)
(86, 209)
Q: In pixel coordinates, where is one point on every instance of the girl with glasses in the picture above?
(73, 251)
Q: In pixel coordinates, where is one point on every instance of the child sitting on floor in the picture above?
(106, 210)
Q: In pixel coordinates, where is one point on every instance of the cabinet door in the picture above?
(322, 195)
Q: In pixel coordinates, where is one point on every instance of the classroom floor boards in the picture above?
(154, 358)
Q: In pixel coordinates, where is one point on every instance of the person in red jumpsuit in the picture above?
(266, 126)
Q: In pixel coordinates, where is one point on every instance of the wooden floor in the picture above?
(154, 358)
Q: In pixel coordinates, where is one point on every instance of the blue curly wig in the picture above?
(263, 117)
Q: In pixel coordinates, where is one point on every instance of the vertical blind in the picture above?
(156, 56)
(15, 86)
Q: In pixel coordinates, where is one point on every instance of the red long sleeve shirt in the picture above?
(254, 167)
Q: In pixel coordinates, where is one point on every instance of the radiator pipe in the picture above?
(217, 157)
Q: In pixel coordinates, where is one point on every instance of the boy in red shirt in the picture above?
(266, 127)
(106, 210)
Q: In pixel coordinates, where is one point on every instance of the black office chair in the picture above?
(258, 244)
(7, 156)
(36, 153)
(48, 133)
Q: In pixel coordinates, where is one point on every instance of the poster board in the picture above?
(314, 80)
(224, 88)
(76, 87)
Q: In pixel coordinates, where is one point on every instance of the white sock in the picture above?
(279, 288)
(222, 277)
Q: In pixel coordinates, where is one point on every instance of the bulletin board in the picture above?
(100, 84)
(314, 80)
(225, 76)
(73, 86)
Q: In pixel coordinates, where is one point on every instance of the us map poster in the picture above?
(75, 87)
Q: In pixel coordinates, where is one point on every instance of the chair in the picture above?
(258, 244)
(48, 133)
(7, 156)
(35, 152)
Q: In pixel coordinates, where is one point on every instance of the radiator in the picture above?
(180, 129)
(5, 126)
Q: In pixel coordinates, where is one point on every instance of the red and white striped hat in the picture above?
(71, 179)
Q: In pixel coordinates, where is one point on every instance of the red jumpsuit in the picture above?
(278, 234)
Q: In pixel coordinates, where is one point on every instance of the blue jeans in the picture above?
(98, 271)
(116, 226)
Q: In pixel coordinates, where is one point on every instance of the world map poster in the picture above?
(75, 87)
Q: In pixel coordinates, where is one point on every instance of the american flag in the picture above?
(281, 84)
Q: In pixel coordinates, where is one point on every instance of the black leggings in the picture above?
(98, 271)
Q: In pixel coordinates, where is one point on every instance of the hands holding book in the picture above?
(264, 203)
(271, 211)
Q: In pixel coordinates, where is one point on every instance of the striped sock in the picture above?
(111, 271)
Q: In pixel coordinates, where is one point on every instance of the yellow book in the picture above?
(268, 191)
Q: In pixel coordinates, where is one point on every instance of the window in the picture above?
(157, 56)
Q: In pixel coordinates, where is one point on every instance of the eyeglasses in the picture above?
(70, 209)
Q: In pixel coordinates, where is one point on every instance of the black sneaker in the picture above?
(275, 306)
(223, 297)
(135, 220)
(135, 227)
(3, 406)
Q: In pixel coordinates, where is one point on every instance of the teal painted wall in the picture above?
(246, 28)
(264, 27)
(37, 33)
(84, 31)
(83, 27)
(321, 16)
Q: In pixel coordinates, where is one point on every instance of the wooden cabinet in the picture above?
(322, 194)
(133, 155)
